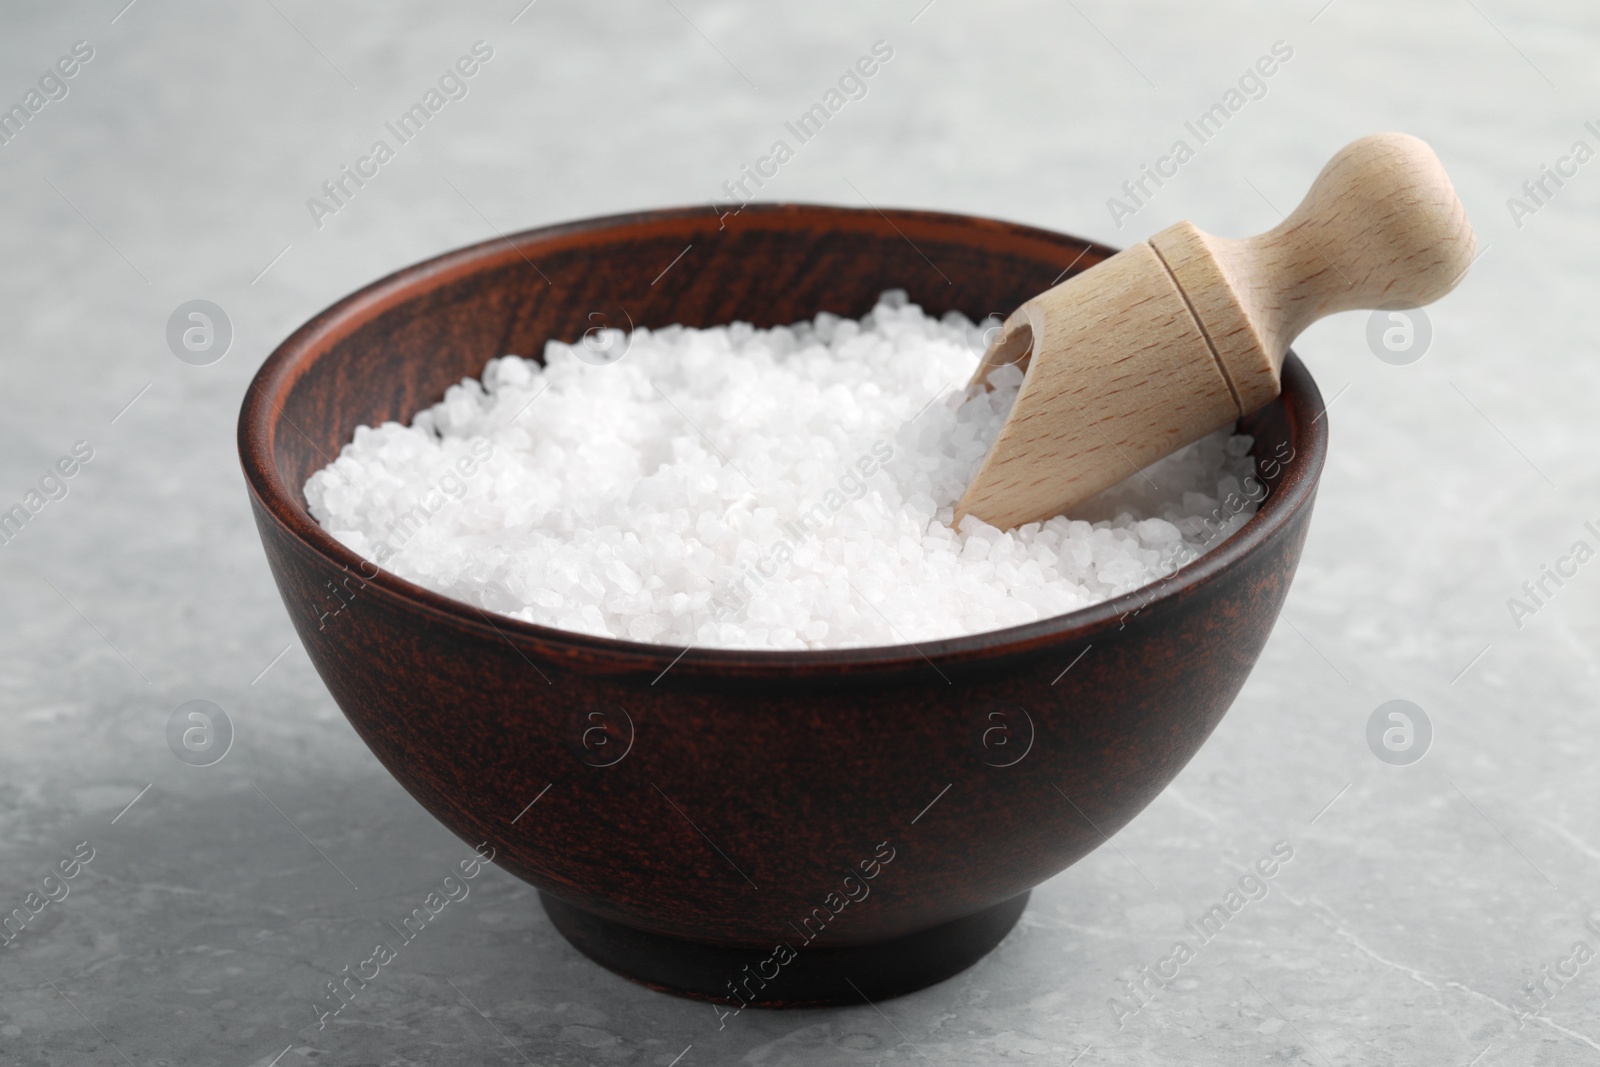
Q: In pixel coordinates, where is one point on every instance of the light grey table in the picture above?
(218, 900)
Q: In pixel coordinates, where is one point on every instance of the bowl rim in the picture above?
(272, 496)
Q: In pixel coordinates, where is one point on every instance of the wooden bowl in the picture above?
(767, 828)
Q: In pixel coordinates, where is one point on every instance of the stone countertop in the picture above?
(178, 165)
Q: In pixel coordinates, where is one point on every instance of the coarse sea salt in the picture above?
(782, 488)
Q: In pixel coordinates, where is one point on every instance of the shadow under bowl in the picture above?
(771, 828)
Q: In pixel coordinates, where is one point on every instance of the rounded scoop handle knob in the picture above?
(1381, 227)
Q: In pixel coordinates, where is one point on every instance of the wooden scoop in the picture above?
(1182, 334)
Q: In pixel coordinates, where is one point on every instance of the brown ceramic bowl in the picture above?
(775, 828)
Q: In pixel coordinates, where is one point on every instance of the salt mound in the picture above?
(740, 488)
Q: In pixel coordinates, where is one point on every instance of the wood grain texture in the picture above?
(755, 780)
(1125, 378)
(1381, 227)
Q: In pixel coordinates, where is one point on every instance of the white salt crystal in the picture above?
(744, 488)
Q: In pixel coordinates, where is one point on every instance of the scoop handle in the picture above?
(1381, 227)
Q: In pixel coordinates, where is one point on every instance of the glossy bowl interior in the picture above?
(696, 809)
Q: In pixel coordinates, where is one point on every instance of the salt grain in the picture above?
(742, 488)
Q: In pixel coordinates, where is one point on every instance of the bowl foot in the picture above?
(809, 977)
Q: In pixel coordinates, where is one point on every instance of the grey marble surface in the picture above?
(1419, 899)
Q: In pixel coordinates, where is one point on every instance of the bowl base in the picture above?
(809, 978)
